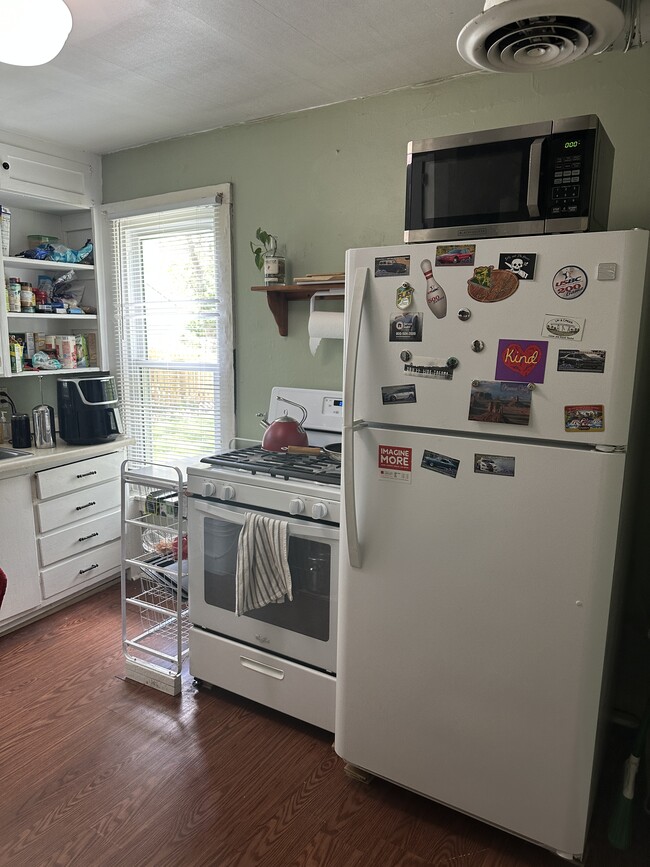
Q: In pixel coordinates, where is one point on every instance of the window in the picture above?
(173, 324)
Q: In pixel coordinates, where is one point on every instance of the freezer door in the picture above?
(472, 638)
(552, 358)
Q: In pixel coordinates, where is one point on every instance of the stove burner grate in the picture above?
(317, 468)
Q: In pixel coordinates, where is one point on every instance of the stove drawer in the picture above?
(293, 689)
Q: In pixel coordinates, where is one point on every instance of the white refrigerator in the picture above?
(489, 392)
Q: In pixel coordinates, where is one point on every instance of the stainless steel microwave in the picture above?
(541, 178)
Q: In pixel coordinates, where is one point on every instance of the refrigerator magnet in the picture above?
(455, 254)
(489, 284)
(569, 282)
(398, 394)
(494, 465)
(591, 361)
(405, 327)
(435, 368)
(563, 327)
(436, 297)
(521, 360)
(500, 402)
(395, 463)
(522, 265)
(440, 463)
(584, 419)
(404, 297)
(391, 266)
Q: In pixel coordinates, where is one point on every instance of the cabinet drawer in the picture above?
(79, 538)
(78, 506)
(78, 571)
(81, 474)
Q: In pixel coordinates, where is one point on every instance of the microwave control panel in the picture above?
(568, 171)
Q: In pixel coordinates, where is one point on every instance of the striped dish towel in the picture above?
(262, 574)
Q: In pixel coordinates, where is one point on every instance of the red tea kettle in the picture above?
(284, 431)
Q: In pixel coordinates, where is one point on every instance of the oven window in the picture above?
(310, 565)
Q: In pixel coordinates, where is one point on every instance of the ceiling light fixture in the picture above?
(32, 33)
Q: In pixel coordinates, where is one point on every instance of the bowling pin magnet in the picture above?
(436, 298)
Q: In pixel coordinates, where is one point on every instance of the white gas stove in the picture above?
(284, 654)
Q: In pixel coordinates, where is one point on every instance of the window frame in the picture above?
(220, 194)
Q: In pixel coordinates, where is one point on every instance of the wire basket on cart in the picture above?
(155, 617)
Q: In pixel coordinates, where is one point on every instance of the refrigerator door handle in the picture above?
(349, 502)
(359, 286)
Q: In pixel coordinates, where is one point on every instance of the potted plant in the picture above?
(266, 257)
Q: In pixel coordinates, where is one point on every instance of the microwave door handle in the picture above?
(534, 173)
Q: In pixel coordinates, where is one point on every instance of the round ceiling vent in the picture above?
(527, 35)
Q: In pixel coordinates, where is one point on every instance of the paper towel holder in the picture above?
(324, 325)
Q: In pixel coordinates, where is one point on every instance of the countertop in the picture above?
(44, 459)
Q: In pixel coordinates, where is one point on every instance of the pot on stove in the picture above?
(284, 431)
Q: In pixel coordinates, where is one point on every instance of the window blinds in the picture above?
(172, 300)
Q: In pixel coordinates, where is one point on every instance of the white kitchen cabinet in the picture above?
(77, 507)
(41, 175)
(50, 195)
(18, 558)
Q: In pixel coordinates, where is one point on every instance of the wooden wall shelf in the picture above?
(278, 298)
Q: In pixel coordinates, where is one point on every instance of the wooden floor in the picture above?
(96, 770)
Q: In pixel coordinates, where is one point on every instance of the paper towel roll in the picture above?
(323, 324)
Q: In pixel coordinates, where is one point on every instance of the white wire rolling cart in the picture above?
(155, 621)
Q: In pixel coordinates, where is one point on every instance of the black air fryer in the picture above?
(88, 413)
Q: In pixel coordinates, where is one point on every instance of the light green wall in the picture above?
(333, 178)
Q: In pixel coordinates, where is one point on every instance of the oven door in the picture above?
(302, 630)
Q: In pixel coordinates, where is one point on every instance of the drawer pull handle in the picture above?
(261, 668)
(83, 475)
(79, 508)
(89, 569)
(91, 536)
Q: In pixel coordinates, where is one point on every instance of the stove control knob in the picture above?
(318, 510)
(228, 492)
(296, 507)
(209, 489)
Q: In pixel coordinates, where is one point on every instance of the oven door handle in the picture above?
(237, 515)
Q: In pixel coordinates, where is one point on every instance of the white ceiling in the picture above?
(136, 71)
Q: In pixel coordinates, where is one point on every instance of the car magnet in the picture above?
(522, 265)
(405, 327)
(390, 266)
(563, 327)
(489, 284)
(436, 298)
(569, 282)
(437, 368)
(592, 360)
(398, 394)
(455, 254)
(500, 402)
(440, 463)
(584, 418)
(404, 296)
(494, 465)
(521, 360)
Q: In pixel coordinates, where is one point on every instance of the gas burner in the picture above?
(254, 459)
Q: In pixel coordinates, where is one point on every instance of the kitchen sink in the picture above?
(5, 454)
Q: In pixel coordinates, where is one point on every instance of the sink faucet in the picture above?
(4, 398)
